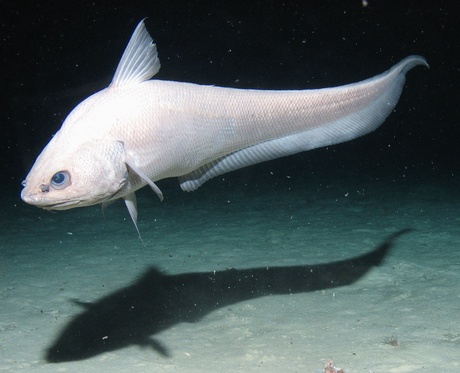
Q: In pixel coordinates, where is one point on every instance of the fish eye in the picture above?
(60, 180)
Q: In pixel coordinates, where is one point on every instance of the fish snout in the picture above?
(28, 195)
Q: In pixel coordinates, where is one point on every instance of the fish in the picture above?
(140, 130)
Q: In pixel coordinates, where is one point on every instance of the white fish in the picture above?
(138, 131)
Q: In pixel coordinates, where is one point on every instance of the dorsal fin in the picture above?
(139, 61)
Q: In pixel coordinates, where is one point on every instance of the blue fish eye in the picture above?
(60, 180)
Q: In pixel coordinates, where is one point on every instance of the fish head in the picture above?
(66, 175)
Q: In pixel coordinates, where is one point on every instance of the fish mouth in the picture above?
(48, 203)
(67, 205)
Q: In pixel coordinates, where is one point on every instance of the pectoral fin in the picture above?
(144, 177)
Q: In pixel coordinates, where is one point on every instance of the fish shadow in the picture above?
(157, 301)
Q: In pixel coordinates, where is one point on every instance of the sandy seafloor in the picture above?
(249, 220)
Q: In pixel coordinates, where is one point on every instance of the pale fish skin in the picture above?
(138, 131)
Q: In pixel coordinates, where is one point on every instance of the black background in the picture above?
(56, 53)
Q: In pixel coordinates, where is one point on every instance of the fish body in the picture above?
(138, 131)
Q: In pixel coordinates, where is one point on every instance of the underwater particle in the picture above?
(391, 341)
(329, 367)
